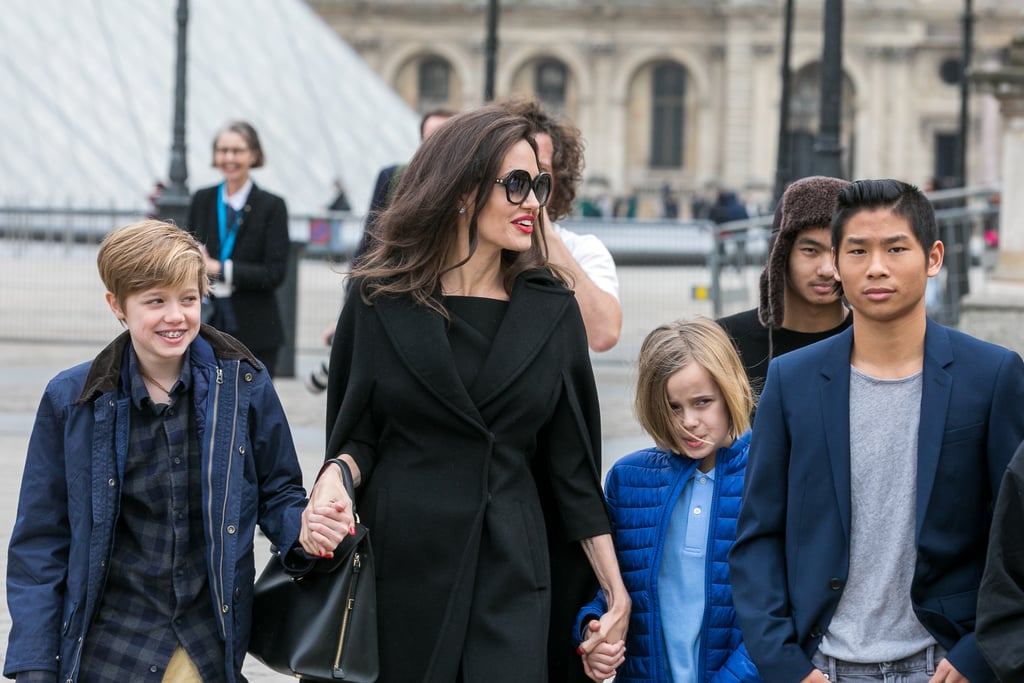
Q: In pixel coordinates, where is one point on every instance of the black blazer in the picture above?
(450, 473)
(1001, 597)
(260, 261)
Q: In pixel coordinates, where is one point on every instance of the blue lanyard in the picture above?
(227, 233)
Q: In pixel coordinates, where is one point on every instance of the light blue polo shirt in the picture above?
(681, 577)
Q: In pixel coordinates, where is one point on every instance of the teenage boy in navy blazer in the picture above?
(875, 458)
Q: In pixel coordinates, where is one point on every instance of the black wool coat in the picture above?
(260, 261)
(1000, 627)
(476, 497)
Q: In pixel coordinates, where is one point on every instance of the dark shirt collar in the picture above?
(139, 392)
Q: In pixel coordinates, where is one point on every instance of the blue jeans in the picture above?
(913, 669)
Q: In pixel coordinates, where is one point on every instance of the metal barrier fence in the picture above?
(52, 292)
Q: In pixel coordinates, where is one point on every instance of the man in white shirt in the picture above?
(583, 257)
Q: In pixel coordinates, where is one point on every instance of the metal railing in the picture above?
(667, 270)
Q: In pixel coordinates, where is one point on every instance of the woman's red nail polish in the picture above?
(352, 530)
(579, 650)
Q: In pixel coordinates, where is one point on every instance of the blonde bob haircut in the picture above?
(149, 254)
(667, 349)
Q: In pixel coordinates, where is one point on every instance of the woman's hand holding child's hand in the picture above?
(601, 659)
(328, 516)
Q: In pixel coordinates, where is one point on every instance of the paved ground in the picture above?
(25, 368)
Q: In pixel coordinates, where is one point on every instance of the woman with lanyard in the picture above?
(245, 233)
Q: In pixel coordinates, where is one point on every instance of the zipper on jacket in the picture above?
(211, 425)
(357, 567)
(72, 672)
(659, 653)
(708, 559)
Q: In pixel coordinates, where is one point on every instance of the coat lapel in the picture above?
(421, 341)
(936, 388)
(835, 405)
(535, 309)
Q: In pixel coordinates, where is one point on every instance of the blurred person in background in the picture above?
(244, 233)
(586, 259)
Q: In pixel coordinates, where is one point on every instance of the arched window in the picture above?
(550, 80)
(434, 77)
(668, 98)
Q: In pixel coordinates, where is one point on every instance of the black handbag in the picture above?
(321, 625)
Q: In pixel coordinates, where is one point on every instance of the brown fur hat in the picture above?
(807, 203)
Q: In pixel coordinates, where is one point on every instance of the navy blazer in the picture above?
(791, 557)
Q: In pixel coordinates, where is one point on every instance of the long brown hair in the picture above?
(417, 234)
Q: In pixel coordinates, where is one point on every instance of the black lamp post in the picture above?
(782, 158)
(826, 147)
(490, 49)
(173, 203)
(965, 67)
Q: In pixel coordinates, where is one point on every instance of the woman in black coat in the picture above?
(461, 397)
(245, 232)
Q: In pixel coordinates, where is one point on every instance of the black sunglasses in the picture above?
(518, 184)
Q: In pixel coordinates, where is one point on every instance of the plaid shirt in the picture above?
(157, 593)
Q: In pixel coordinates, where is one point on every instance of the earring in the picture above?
(462, 209)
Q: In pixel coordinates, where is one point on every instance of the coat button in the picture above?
(231, 528)
(815, 632)
(224, 609)
(248, 377)
(111, 482)
(835, 584)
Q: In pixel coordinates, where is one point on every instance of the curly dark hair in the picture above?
(567, 159)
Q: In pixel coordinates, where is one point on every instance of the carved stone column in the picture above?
(996, 312)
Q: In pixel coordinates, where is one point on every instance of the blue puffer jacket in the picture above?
(70, 498)
(642, 488)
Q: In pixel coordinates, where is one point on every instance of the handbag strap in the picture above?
(346, 479)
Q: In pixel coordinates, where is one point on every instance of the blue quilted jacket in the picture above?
(642, 488)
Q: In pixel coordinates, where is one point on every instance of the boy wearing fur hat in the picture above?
(799, 303)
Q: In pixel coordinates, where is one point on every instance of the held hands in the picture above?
(328, 516)
(610, 628)
(601, 660)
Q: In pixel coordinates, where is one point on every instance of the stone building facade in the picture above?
(684, 95)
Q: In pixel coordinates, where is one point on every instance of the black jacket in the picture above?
(459, 484)
(1000, 629)
(260, 260)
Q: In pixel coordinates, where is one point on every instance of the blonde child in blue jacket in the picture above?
(673, 509)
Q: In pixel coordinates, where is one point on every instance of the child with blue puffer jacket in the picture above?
(673, 509)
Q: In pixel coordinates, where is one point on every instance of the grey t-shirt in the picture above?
(874, 621)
